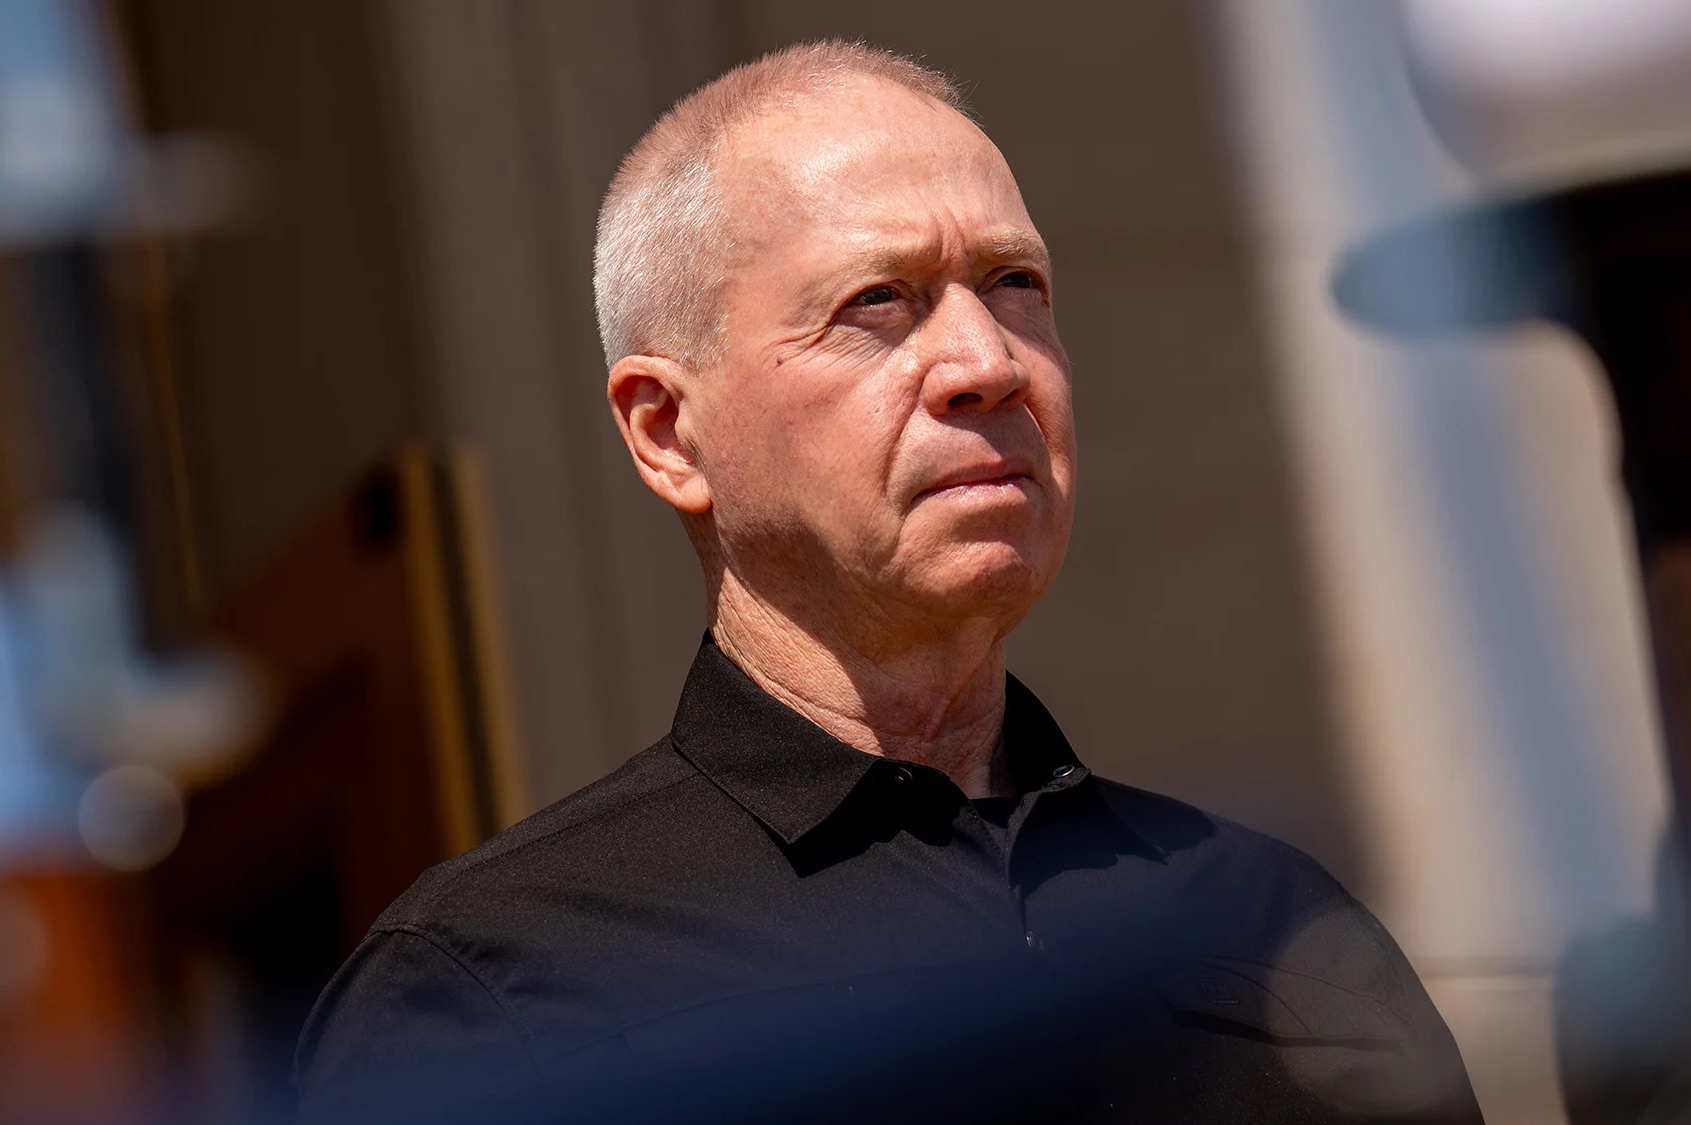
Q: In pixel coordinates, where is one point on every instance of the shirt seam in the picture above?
(517, 1024)
(452, 879)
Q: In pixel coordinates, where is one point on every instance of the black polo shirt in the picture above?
(751, 921)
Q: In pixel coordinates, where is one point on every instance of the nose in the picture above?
(970, 366)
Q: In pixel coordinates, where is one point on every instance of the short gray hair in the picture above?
(663, 228)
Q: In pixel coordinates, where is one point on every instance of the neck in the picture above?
(937, 700)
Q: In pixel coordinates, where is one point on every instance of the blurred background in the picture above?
(320, 559)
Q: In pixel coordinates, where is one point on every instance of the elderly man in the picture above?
(865, 877)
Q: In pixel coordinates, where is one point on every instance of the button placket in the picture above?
(1029, 939)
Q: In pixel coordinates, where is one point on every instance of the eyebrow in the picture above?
(1017, 246)
(888, 261)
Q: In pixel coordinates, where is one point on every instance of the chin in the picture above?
(994, 580)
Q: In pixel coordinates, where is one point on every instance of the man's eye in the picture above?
(878, 295)
(1019, 279)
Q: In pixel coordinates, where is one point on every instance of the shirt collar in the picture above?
(778, 765)
(792, 775)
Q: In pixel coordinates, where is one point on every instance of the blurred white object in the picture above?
(69, 164)
(1474, 566)
(79, 700)
(97, 697)
(131, 817)
(34, 795)
(99, 700)
(78, 696)
(59, 126)
(1536, 91)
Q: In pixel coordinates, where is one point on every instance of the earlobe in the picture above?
(648, 398)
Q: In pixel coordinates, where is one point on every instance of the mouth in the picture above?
(984, 479)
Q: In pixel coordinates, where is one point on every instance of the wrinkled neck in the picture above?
(934, 697)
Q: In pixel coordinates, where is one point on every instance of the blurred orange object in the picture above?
(76, 998)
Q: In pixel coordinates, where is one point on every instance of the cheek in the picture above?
(1052, 404)
(811, 439)
(788, 465)
(739, 452)
(838, 429)
(1063, 447)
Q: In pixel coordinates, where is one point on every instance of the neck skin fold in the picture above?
(937, 701)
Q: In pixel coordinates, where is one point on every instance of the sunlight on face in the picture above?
(890, 427)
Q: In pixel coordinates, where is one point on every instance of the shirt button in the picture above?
(1033, 941)
(901, 774)
(1061, 772)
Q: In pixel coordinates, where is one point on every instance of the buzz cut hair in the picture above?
(663, 235)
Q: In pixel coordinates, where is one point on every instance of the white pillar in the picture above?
(1482, 621)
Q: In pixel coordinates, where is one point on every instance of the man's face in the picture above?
(889, 431)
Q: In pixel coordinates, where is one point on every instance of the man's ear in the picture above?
(648, 397)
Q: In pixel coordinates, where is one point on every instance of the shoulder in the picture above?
(439, 986)
(583, 832)
(1271, 904)
(1197, 841)
(1266, 898)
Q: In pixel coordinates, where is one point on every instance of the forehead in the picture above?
(861, 163)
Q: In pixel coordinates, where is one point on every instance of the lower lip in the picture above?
(997, 486)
